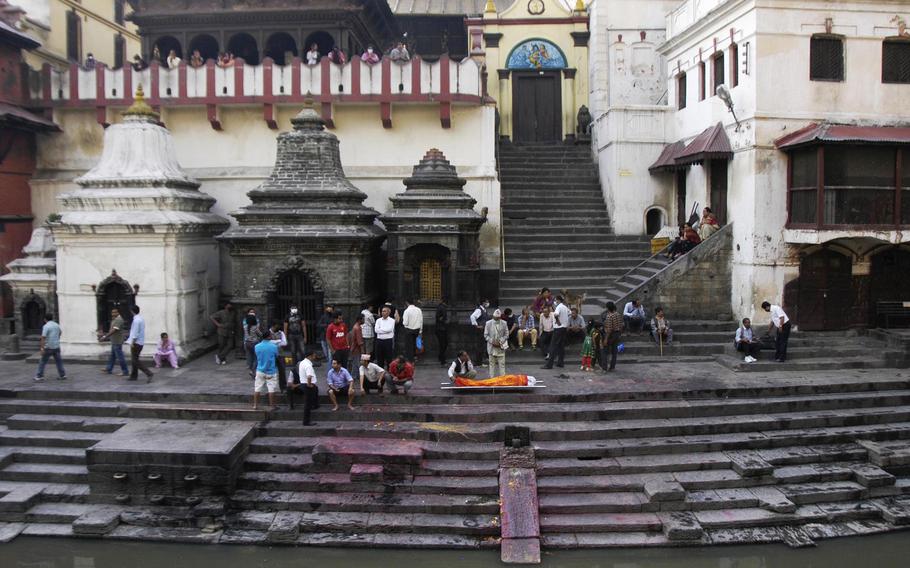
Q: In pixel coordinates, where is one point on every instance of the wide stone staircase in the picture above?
(556, 227)
(800, 459)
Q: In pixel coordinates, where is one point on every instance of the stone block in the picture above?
(751, 535)
(894, 511)
(97, 522)
(520, 551)
(796, 537)
(518, 503)
(772, 499)
(681, 526)
(363, 450)
(869, 475)
(366, 472)
(285, 528)
(808, 493)
(748, 463)
(658, 490)
(9, 531)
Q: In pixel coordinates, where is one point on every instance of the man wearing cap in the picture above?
(496, 333)
(372, 376)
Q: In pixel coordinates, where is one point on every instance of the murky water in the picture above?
(885, 551)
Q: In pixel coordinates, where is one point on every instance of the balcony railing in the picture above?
(443, 82)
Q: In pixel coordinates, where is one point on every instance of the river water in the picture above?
(883, 551)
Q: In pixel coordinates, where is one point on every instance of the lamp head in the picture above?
(724, 94)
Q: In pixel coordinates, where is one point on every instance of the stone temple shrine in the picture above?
(306, 238)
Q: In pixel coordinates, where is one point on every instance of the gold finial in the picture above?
(579, 5)
(140, 107)
(490, 8)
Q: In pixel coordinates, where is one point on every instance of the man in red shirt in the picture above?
(336, 335)
(402, 373)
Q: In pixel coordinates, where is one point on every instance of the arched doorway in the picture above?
(536, 67)
(207, 46)
(324, 40)
(825, 290)
(33, 310)
(654, 221)
(165, 44)
(281, 47)
(890, 280)
(295, 287)
(113, 292)
(243, 45)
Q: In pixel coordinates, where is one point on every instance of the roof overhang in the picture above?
(826, 133)
(711, 144)
(17, 117)
(666, 162)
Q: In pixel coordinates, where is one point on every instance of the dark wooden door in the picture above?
(719, 190)
(114, 295)
(824, 291)
(296, 289)
(890, 280)
(32, 318)
(536, 106)
(682, 214)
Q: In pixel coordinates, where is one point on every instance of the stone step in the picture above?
(64, 423)
(48, 473)
(540, 216)
(71, 456)
(579, 503)
(48, 438)
(803, 365)
(58, 512)
(539, 242)
(600, 522)
(356, 522)
(364, 502)
(341, 482)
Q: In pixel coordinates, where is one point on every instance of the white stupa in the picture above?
(138, 230)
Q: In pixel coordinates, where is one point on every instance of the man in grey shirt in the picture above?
(50, 347)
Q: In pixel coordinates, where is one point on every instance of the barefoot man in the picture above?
(340, 381)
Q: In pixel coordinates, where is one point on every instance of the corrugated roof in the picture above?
(443, 7)
(826, 132)
(16, 37)
(711, 144)
(667, 159)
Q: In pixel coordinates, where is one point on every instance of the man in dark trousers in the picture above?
(225, 326)
(613, 325)
(781, 322)
(560, 330)
(442, 330)
(306, 382)
(478, 321)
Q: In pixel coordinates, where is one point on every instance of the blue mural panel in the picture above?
(536, 54)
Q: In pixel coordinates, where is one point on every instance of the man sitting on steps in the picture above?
(462, 367)
(746, 342)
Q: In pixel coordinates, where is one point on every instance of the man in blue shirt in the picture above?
(266, 371)
(50, 347)
(136, 341)
(340, 380)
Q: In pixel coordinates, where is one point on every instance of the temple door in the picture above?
(296, 288)
(824, 291)
(536, 106)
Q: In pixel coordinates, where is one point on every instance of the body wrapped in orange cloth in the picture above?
(500, 381)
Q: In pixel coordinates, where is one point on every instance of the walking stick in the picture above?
(660, 341)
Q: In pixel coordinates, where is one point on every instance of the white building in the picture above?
(810, 81)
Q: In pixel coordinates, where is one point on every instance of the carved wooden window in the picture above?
(734, 65)
(826, 58)
(73, 36)
(430, 280)
(718, 72)
(896, 61)
(681, 91)
(119, 51)
(701, 81)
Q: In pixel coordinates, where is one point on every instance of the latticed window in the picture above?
(826, 58)
(896, 61)
(681, 91)
(430, 280)
(718, 72)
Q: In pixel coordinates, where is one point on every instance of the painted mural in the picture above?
(536, 54)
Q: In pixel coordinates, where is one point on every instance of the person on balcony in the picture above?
(337, 56)
(400, 53)
(370, 56)
(312, 56)
(90, 62)
(139, 64)
(708, 224)
(172, 60)
(196, 59)
(225, 59)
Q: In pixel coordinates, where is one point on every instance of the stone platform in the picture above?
(656, 454)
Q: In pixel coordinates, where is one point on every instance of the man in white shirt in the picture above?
(781, 323)
(478, 320)
(366, 328)
(307, 379)
(385, 337)
(136, 341)
(560, 329)
(412, 320)
(372, 376)
(746, 342)
(633, 315)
